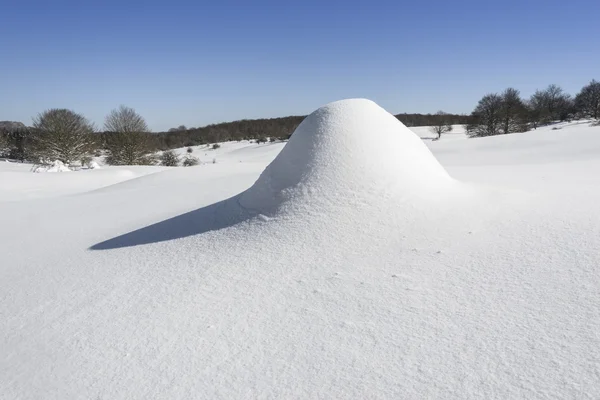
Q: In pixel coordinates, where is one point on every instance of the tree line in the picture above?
(69, 137)
(125, 139)
(508, 112)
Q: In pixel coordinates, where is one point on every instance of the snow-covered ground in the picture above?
(358, 265)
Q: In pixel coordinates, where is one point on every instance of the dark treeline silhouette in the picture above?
(246, 129)
(433, 119)
(275, 128)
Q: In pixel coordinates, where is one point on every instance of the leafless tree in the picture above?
(442, 124)
(63, 135)
(588, 100)
(514, 112)
(128, 141)
(549, 105)
(487, 116)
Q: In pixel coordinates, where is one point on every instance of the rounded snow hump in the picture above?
(346, 150)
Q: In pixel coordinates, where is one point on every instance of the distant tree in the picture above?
(63, 135)
(549, 105)
(537, 109)
(173, 130)
(181, 128)
(169, 158)
(442, 124)
(128, 141)
(587, 101)
(487, 116)
(560, 104)
(513, 112)
(5, 144)
(21, 143)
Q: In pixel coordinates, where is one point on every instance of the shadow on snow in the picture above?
(216, 216)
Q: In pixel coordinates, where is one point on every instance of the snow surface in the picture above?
(365, 272)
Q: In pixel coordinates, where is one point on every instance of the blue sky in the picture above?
(196, 62)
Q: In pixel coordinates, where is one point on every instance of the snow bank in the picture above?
(94, 165)
(56, 166)
(346, 149)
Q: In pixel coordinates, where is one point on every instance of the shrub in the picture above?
(190, 161)
(216, 146)
(190, 150)
(169, 159)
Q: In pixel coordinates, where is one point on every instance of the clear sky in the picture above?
(197, 62)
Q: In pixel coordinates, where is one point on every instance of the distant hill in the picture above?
(11, 125)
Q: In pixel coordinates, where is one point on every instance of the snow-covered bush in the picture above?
(169, 159)
(190, 161)
(56, 166)
(93, 165)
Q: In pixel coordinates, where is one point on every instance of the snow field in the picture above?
(355, 265)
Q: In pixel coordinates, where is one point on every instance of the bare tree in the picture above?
(128, 141)
(550, 105)
(514, 112)
(487, 117)
(63, 135)
(538, 111)
(559, 103)
(588, 100)
(442, 124)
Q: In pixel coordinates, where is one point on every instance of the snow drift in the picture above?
(56, 166)
(346, 149)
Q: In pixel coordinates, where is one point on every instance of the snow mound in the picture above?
(348, 149)
(94, 165)
(56, 166)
